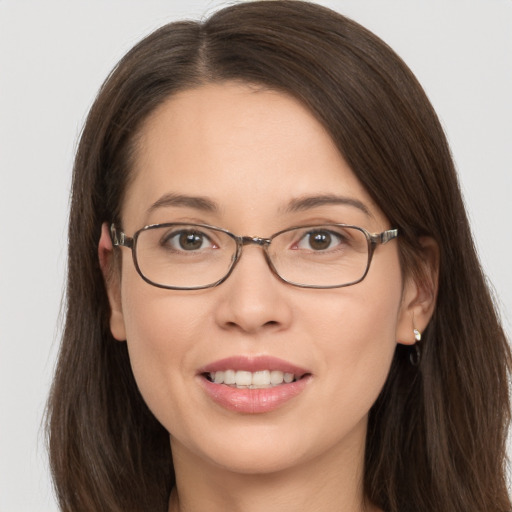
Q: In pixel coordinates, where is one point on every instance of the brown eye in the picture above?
(320, 241)
(186, 240)
(191, 241)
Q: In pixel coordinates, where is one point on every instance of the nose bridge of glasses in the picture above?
(264, 243)
(255, 240)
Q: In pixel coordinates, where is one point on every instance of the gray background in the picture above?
(54, 56)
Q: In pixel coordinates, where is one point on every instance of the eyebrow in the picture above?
(196, 202)
(309, 202)
(295, 205)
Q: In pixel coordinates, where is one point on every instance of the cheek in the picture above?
(359, 335)
(160, 336)
(356, 335)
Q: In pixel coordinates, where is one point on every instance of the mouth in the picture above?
(256, 384)
(262, 379)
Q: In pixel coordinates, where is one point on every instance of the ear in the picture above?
(419, 294)
(112, 277)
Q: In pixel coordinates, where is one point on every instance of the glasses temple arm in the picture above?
(384, 237)
(119, 238)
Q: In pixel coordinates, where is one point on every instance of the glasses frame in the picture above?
(120, 239)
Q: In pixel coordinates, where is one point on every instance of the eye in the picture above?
(320, 240)
(187, 240)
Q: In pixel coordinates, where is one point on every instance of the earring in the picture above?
(415, 353)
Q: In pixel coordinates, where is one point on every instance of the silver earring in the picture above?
(415, 353)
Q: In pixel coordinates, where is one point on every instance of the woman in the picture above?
(353, 361)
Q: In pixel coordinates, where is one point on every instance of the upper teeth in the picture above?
(253, 380)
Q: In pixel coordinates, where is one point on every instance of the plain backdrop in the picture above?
(53, 58)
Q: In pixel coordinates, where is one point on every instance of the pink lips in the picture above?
(253, 401)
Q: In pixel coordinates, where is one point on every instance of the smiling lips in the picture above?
(253, 385)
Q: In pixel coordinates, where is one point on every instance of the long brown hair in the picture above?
(436, 435)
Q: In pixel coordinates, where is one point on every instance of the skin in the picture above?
(252, 151)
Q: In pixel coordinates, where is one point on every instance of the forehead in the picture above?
(249, 150)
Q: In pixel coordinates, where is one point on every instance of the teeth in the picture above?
(276, 377)
(288, 377)
(252, 380)
(230, 377)
(261, 378)
(243, 378)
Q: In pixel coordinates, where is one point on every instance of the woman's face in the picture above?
(251, 156)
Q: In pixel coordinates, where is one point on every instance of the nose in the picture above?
(253, 298)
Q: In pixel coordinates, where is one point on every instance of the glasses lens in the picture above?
(184, 255)
(328, 256)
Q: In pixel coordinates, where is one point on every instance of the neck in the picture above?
(332, 482)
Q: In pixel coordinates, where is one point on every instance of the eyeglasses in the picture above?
(195, 256)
